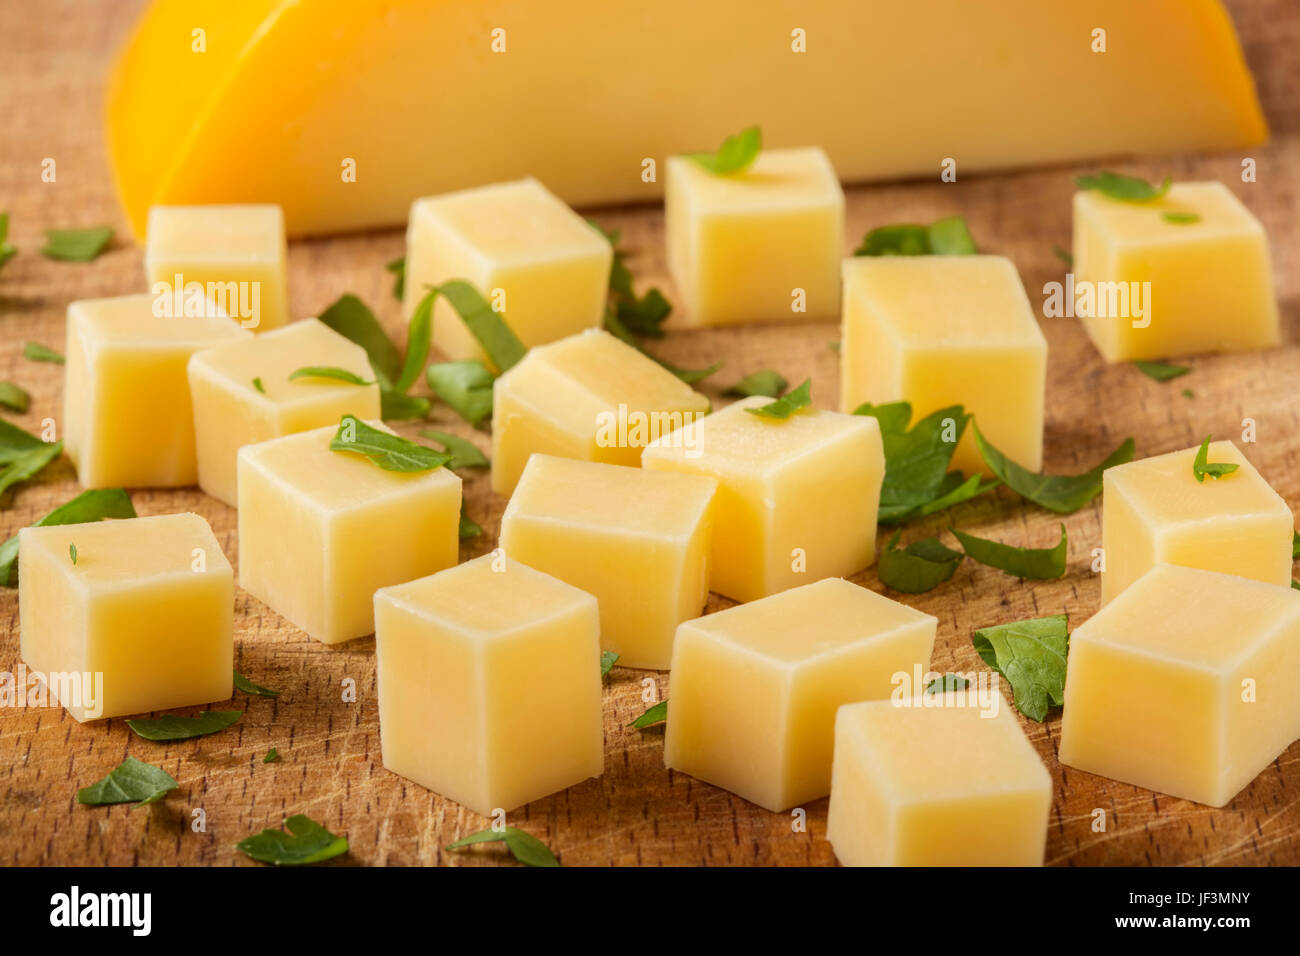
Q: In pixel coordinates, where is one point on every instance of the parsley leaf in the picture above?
(272, 756)
(257, 384)
(22, 455)
(133, 781)
(1063, 494)
(1031, 655)
(76, 245)
(947, 682)
(7, 249)
(763, 382)
(398, 268)
(468, 527)
(1161, 371)
(1064, 255)
(390, 452)
(799, 397)
(1040, 564)
(503, 348)
(1180, 218)
(1124, 188)
(921, 566)
(328, 371)
(171, 727)
(653, 715)
(944, 237)
(736, 154)
(72, 553)
(35, 352)
(248, 687)
(524, 847)
(306, 842)
(1215, 469)
(465, 454)
(14, 398)
(93, 505)
(607, 661)
(419, 337)
(465, 385)
(351, 318)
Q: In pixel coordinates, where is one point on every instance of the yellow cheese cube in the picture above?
(125, 383)
(797, 499)
(945, 779)
(1185, 683)
(589, 396)
(232, 255)
(489, 683)
(535, 259)
(947, 330)
(755, 688)
(1149, 288)
(242, 394)
(1155, 511)
(141, 620)
(637, 540)
(321, 530)
(760, 244)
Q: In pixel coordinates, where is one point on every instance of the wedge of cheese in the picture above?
(344, 111)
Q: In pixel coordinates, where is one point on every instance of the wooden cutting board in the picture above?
(56, 53)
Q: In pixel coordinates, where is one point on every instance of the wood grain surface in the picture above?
(56, 53)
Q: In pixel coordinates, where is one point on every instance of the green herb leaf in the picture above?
(468, 527)
(330, 372)
(689, 375)
(398, 268)
(1180, 218)
(1040, 564)
(272, 756)
(1215, 469)
(418, 339)
(944, 237)
(171, 727)
(639, 315)
(465, 386)
(1031, 655)
(309, 843)
(785, 406)
(653, 715)
(397, 407)
(14, 398)
(389, 452)
(23, 455)
(524, 847)
(72, 553)
(921, 566)
(736, 154)
(956, 489)
(1188, 393)
(7, 249)
(36, 352)
(1124, 188)
(1063, 494)
(1295, 584)
(1064, 255)
(257, 384)
(1161, 371)
(132, 782)
(1295, 544)
(607, 661)
(946, 683)
(465, 454)
(503, 348)
(248, 687)
(88, 506)
(76, 245)
(763, 382)
(350, 318)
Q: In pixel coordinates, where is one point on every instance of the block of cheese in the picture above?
(233, 256)
(141, 619)
(1154, 510)
(242, 394)
(127, 417)
(489, 683)
(945, 779)
(742, 247)
(367, 94)
(321, 530)
(1185, 683)
(797, 498)
(1157, 287)
(947, 330)
(637, 540)
(536, 260)
(755, 687)
(589, 396)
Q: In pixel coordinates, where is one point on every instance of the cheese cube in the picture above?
(1154, 510)
(125, 377)
(947, 330)
(321, 530)
(755, 688)
(536, 259)
(743, 247)
(242, 394)
(797, 499)
(1185, 684)
(1149, 288)
(638, 541)
(142, 619)
(945, 779)
(232, 255)
(489, 683)
(589, 396)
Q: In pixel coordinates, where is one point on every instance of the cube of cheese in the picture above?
(141, 619)
(589, 396)
(1154, 510)
(321, 530)
(742, 247)
(232, 255)
(755, 687)
(489, 683)
(1185, 683)
(945, 779)
(242, 394)
(1160, 288)
(536, 259)
(125, 376)
(637, 540)
(947, 330)
(797, 498)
